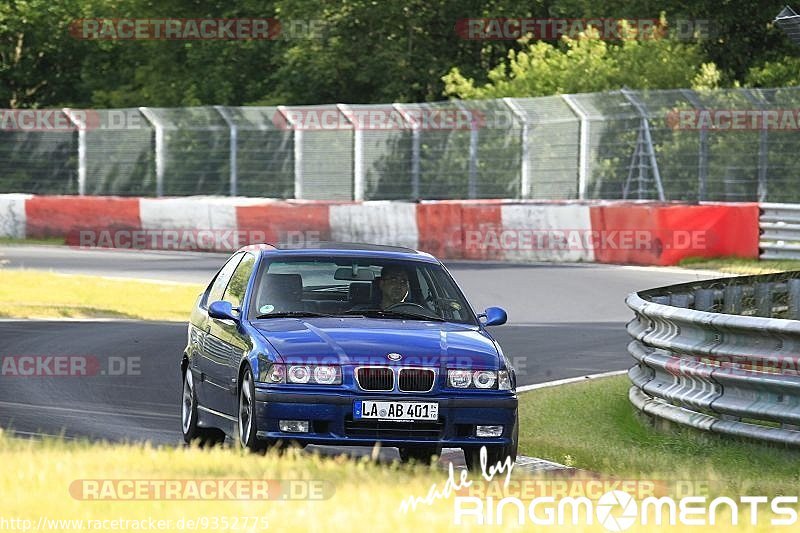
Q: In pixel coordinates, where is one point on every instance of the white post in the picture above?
(298, 153)
(472, 187)
(226, 116)
(80, 123)
(583, 148)
(359, 175)
(525, 167)
(160, 148)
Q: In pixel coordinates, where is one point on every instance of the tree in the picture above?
(589, 64)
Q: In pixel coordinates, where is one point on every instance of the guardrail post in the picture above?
(160, 149)
(81, 126)
(234, 147)
(732, 300)
(680, 300)
(793, 288)
(763, 296)
(704, 300)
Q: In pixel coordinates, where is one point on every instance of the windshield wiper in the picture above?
(392, 314)
(291, 314)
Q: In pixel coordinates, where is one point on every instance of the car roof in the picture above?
(342, 249)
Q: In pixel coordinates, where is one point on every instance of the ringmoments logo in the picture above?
(605, 504)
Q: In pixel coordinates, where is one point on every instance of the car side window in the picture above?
(221, 281)
(238, 284)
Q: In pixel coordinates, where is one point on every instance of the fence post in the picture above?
(415, 150)
(234, 146)
(80, 124)
(472, 188)
(583, 146)
(525, 167)
(298, 152)
(160, 148)
(762, 149)
(648, 140)
(702, 155)
(359, 179)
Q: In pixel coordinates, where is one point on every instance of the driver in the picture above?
(394, 285)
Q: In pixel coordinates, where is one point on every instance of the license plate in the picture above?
(395, 410)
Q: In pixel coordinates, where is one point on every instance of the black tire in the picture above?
(247, 429)
(419, 454)
(494, 454)
(191, 431)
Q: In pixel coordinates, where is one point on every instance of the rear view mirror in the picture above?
(354, 273)
(222, 310)
(495, 316)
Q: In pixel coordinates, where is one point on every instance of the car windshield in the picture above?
(355, 286)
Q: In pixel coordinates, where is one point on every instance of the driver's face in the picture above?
(394, 286)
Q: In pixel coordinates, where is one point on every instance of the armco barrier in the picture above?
(780, 231)
(500, 230)
(720, 355)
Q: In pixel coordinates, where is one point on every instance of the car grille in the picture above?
(377, 378)
(416, 380)
(379, 429)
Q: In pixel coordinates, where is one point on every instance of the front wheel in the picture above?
(191, 431)
(420, 454)
(247, 419)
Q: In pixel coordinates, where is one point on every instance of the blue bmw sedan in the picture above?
(346, 344)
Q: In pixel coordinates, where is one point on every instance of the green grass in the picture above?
(593, 426)
(10, 241)
(36, 294)
(37, 477)
(738, 265)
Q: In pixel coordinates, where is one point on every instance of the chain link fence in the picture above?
(722, 145)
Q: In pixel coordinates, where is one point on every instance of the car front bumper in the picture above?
(331, 419)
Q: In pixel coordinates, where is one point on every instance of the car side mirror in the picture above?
(495, 316)
(222, 310)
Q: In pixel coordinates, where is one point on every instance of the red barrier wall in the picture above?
(664, 234)
(286, 222)
(65, 216)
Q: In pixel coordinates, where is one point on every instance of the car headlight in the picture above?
(460, 379)
(484, 379)
(479, 379)
(504, 380)
(272, 373)
(327, 375)
(301, 374)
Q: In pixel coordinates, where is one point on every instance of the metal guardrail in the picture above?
(720, 355)
(780, 231)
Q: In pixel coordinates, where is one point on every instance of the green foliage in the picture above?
(370, 51)
(589, 64)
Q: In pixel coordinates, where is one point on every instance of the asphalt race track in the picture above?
(564, 321)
